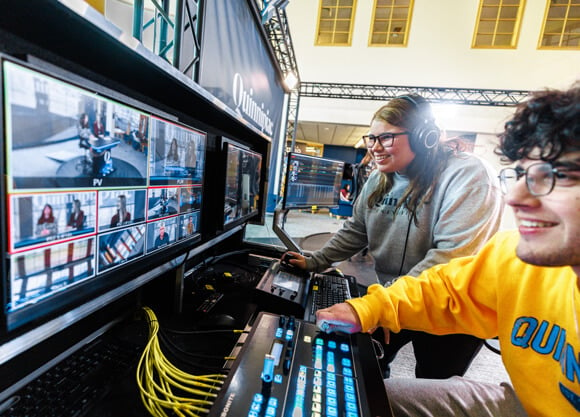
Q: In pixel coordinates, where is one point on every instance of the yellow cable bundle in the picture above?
(157, 378)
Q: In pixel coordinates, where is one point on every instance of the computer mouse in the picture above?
(293, 269)
(218, 322)
(285, 260)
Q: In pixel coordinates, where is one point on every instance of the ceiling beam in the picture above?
(468, 96)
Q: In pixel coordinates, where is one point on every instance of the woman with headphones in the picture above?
(424, 204)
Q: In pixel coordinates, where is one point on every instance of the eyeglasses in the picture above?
(385, 139)
(540, 177)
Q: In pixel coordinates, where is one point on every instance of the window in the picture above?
(498, 23)
(335, 21)
(391, 21)
(561, 25)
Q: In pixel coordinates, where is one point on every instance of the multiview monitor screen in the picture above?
(92, 185)
(242, 188)
(312, 181)
(176, 153)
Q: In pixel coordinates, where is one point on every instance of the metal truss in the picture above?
(469, 96)
(184, 26)
(278, 33)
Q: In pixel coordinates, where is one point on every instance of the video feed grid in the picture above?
(36, 219)
(162, 202)
(60, 135)
(120, 208)
(189, 225)
(190, 199)
(162, 233)
(177, 154)
(39, 273)
(121, 246)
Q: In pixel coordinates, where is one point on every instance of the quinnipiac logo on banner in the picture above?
(237, 67)
(246, 106)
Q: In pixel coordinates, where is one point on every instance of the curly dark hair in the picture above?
(543, 127)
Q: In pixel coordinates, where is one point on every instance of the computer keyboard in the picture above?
(77, 383)
(327, 290)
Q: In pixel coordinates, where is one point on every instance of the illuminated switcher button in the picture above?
(344, 347)
(331, 411)
(268, 370)
(331, 344)
(350, 407)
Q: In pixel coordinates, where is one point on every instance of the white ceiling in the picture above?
(330, 133)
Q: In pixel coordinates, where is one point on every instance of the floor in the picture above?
(312, 230)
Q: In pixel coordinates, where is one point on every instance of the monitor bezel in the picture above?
(226, 143)
(30, 315)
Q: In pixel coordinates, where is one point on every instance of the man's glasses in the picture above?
(385, 139)
(540, 177)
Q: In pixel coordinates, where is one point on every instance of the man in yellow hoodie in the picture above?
(523, 286)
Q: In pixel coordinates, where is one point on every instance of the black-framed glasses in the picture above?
(540, 177)
(385, 139)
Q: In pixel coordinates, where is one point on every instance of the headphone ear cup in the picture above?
(428, 134)
(424, 136)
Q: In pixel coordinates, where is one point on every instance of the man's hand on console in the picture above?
(338, 318)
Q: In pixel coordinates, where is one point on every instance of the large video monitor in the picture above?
(312, 181)
(95, 189)
(242, 182)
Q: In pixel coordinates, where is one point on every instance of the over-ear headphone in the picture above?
(425, 135)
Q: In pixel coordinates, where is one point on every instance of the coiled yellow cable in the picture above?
(157, 379)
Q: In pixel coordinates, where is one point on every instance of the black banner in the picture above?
(237, 67)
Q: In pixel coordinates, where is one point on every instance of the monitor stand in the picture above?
(278, 228)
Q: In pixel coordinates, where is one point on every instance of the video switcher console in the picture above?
(288, 368)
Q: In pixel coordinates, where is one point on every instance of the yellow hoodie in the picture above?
(532, 309)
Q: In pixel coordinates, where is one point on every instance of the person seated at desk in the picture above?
(46, 225)
(522, 287)
(98, 127)
(76, 219)
(162, 239)
(122, 216)
(85, 134)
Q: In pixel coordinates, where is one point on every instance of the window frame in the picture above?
(517, 23)
(334, 20)
(565, 21)
(373, 32)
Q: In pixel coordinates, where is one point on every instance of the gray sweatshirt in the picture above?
(464, 212)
